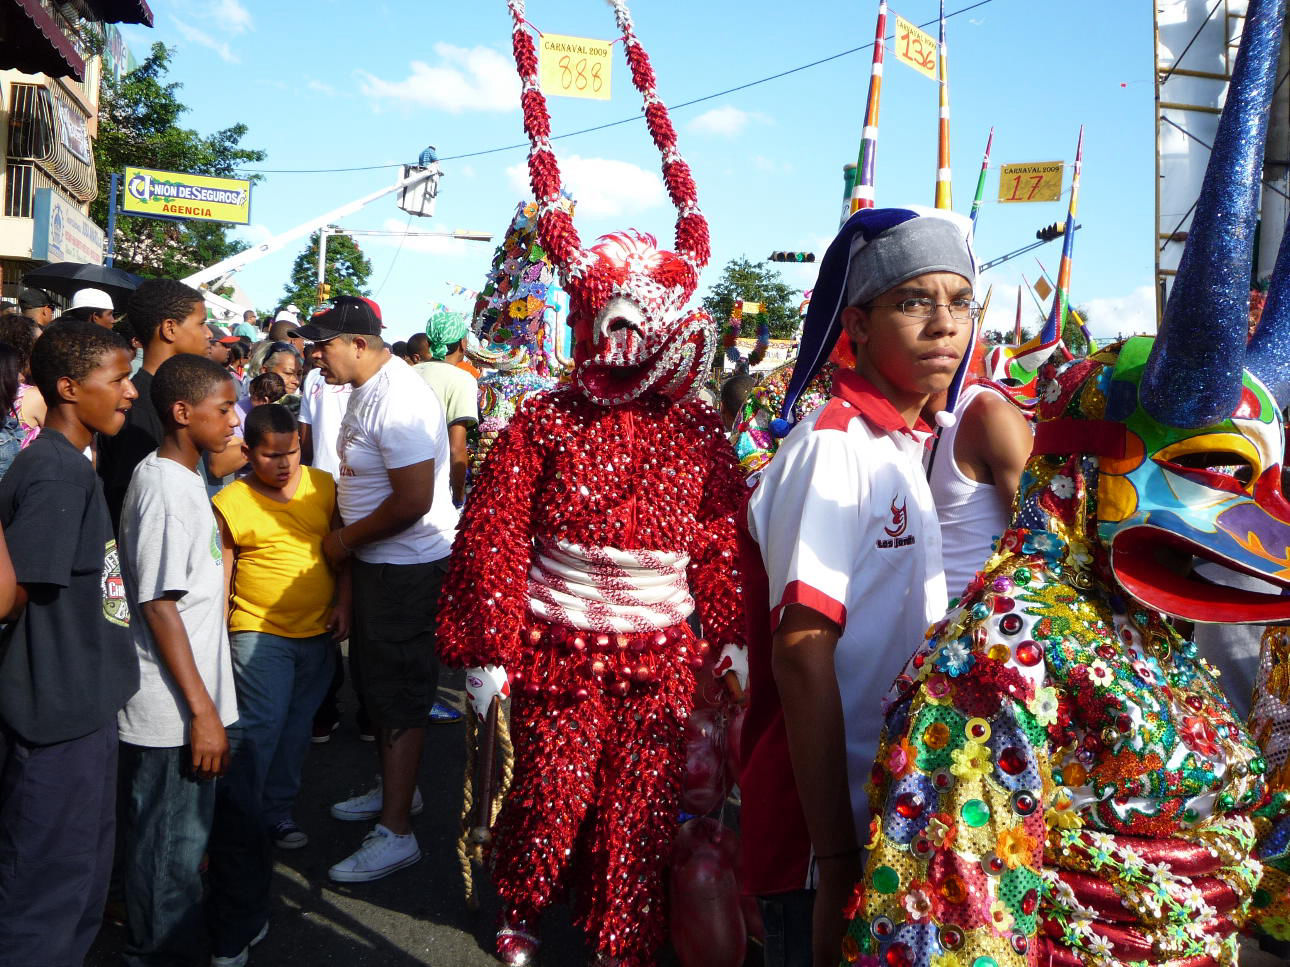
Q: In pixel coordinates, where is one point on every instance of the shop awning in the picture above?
(34, 42)
(122, 11)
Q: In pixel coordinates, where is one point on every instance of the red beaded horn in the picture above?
(555, 227)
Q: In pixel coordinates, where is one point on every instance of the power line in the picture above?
(611, 124)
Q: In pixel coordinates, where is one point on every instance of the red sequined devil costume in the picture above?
(601, 518)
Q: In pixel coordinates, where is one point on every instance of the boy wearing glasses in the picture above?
(844, 564)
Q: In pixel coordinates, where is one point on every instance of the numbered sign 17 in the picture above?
(574, 66)
(1037, 181)
(915, 48)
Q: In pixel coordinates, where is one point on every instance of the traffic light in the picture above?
(324, 292)
(792, 256)
(1050, 232)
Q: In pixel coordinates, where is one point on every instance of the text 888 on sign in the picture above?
(575, 66)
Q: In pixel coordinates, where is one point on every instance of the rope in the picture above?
(469, 852)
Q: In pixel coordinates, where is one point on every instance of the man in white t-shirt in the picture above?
(399, 525)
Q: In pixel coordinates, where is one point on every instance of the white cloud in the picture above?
(726, 121)
(1108, 317)
(203, 39)
(230, 15)
(320, 87)
(1125, 315)
(600, 186)
(465, 79)
(770, 165)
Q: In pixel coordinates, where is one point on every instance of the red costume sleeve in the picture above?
(484, 603)
(714, 555)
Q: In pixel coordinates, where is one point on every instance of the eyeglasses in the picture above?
(960, 309)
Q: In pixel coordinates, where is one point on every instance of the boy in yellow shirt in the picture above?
(285, 606)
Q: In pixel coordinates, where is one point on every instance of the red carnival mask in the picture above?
(632, 336)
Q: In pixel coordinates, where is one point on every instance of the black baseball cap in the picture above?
(349, 315)
(29, 298)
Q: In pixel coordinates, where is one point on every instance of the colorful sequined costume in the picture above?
(1061, 780)
(601, 517)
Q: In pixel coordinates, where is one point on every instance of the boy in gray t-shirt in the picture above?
(173, 742)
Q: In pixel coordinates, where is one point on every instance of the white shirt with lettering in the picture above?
(395, 420)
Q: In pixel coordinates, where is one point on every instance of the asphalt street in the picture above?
(416, 916)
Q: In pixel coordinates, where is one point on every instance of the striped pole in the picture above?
(980, 182)
(1071, 313)
(862, 195)
(1061, 299)
(1016, 329)
(944, 194)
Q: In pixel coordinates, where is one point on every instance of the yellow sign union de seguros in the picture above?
(174, 194)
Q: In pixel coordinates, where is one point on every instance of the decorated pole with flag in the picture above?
(1070, 311)
(944, 195)
(1061, 299)
(862, 195)
(980, 182)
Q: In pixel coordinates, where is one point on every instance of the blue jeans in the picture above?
(788, 921)
(167, 823)
(280, 684)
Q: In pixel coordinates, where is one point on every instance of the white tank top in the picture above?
(971, 514)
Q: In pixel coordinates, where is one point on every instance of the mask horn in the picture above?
(1193, 376)
(554, 222)
(691, 227)
(1268, 356)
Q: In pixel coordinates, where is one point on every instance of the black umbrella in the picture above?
(67, 278)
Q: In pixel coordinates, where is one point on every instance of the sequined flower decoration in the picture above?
(1199, 736)
(918, 902)
(1045, 545)
(971, 761)
(1044, 705)
(954, 657)
(1144, 671)
(1000, 916)
(899, 758)
(1061, 813)
(1015, 847)
(1063, 486)
(1050, 391)
(1099, 672)
(941, 830)
(937, 688)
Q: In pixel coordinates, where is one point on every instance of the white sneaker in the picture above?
(240, 959)
(365, 808)
(380, 855)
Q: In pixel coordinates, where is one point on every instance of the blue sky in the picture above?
(335, 84)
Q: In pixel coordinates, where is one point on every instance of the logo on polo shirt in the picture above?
(896, 536)
(899, 518)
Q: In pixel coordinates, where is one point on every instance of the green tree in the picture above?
(742, 280)
(347, 272)
(139, 125)
(1072, 335)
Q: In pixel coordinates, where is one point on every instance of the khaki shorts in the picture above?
(392, 640)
